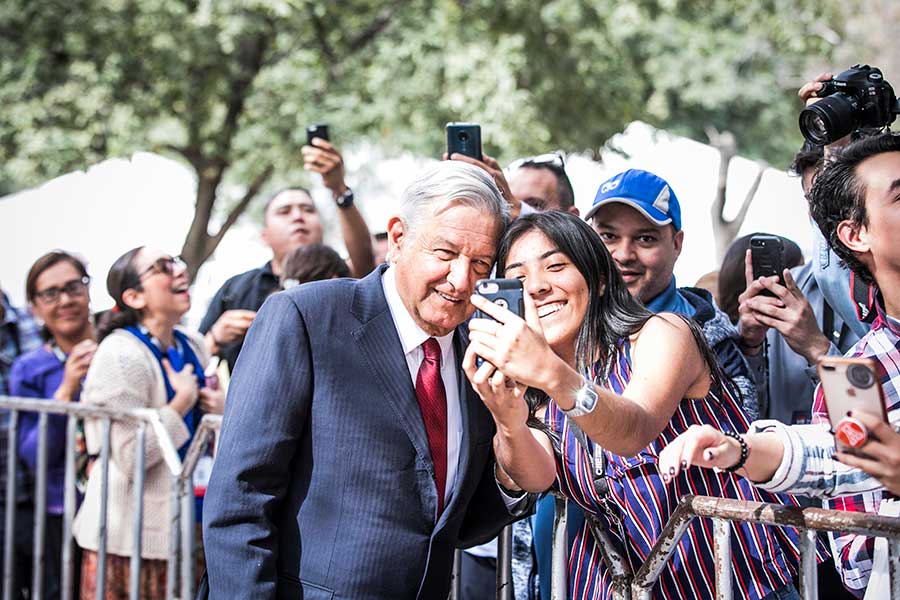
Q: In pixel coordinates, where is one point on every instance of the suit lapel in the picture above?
(379, 345)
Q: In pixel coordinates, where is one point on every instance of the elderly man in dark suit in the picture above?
(354, 455)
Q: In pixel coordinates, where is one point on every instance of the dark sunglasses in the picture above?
(165, 265)
(77, 288)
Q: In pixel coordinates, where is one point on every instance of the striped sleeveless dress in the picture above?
(763, 559)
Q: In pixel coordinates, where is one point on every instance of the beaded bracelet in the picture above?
(745, 451)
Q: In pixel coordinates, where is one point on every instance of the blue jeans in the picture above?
(784, 593)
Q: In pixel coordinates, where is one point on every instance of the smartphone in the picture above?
(850, 384)
(767, 256)
(506, 293)
(316, 131)
(464, 138)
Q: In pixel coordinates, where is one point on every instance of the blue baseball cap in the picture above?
(645, 192)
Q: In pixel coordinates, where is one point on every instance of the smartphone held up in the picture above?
(465, 139)
(316, 131)
(505, 293)
(767, 256)
(850, 385)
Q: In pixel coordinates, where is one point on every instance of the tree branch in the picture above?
(238, 210)
(251, 50)
(322, 37)
(751, 194)
(725, 144)
(368, 34)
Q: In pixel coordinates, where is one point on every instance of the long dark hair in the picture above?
(613, 313)
(122, 276)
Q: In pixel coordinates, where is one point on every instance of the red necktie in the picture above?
(433, 404)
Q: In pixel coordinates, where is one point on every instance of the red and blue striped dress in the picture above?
(638, 496)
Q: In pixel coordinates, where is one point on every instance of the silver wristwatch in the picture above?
(585, 401)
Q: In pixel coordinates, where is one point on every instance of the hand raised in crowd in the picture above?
(753, 331)
(808, 96)
(76, 367)
(793, 318)
(809, 89)
(212, 401)
(883, 450)
(699, 446)
(493, 168)
(502, 396)
(230, 327)
(706, 447)
(324, 159)
(184, 382)
(512, 344)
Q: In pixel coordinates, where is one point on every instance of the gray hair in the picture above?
(451, 181)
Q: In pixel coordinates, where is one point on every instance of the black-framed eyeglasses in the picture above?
(77, 288)
(165, 265)
(551, 159)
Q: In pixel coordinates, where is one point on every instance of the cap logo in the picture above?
(662, 200)
(609, 186)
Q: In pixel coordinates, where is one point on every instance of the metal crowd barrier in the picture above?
(639, 586)
(182, 543)
(181, 547)
(806, 520)
(183, 493)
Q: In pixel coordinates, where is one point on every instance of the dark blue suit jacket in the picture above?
(323, 483)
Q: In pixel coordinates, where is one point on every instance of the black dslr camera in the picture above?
(858, 98)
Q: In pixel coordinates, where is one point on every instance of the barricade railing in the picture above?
(180, 560)
(183, 491)
(807, 520)
(723, 511)
(12, 407)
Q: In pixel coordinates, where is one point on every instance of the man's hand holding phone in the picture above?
(464, 151)
(785, 309)
(320, 156)
(883, 452)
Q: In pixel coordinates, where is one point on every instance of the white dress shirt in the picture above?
(411, 339)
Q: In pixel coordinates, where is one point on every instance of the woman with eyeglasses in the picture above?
(57, 289)
(608, 385)
(144, 360)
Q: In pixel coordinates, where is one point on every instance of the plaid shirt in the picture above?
(18, 334)
(853, 554)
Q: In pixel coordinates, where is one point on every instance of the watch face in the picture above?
(345, 200)
(586, 398)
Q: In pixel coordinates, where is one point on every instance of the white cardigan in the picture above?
(125, 374)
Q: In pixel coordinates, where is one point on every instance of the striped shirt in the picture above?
(808, 468)
(853, 554)
(763, 559)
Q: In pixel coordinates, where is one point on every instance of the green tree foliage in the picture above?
(227, 85)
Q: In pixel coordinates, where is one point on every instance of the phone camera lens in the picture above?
(860, 376)
(463, 136)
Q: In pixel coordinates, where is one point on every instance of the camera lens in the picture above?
(860, 376)
(828, 120)
(463, 136)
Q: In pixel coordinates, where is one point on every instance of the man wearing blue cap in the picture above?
(638, 217)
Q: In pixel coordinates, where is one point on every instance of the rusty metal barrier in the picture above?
(723, 511)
